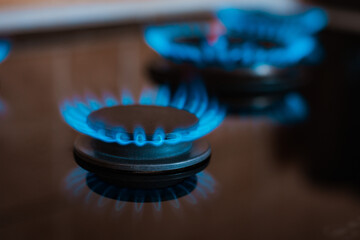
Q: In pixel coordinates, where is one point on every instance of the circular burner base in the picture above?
(115, 164)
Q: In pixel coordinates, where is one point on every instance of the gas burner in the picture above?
(247, 39)
(4, 49)
(198, 184)
(152, 144)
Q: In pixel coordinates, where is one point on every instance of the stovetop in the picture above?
(266, 179)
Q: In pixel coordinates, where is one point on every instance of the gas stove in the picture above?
(190, 149)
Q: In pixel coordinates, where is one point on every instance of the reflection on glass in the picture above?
(291, 109)
(81, 182)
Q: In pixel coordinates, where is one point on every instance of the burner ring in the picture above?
(143, 174)
(96, 154)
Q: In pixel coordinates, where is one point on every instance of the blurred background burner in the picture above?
(239, 39)
(249, 60)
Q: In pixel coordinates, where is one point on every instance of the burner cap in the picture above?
(150, 118)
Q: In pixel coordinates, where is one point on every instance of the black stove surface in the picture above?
(266, 179)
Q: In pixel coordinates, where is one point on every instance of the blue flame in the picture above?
(192, 99)
(247, 21)
(290, 36)
(2, 107)
(81, 182)
(4, 49)
(161, 39)
(292, 49)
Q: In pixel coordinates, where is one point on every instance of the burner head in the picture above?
(137, 166)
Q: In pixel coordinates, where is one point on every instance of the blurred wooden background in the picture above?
(28, 16)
